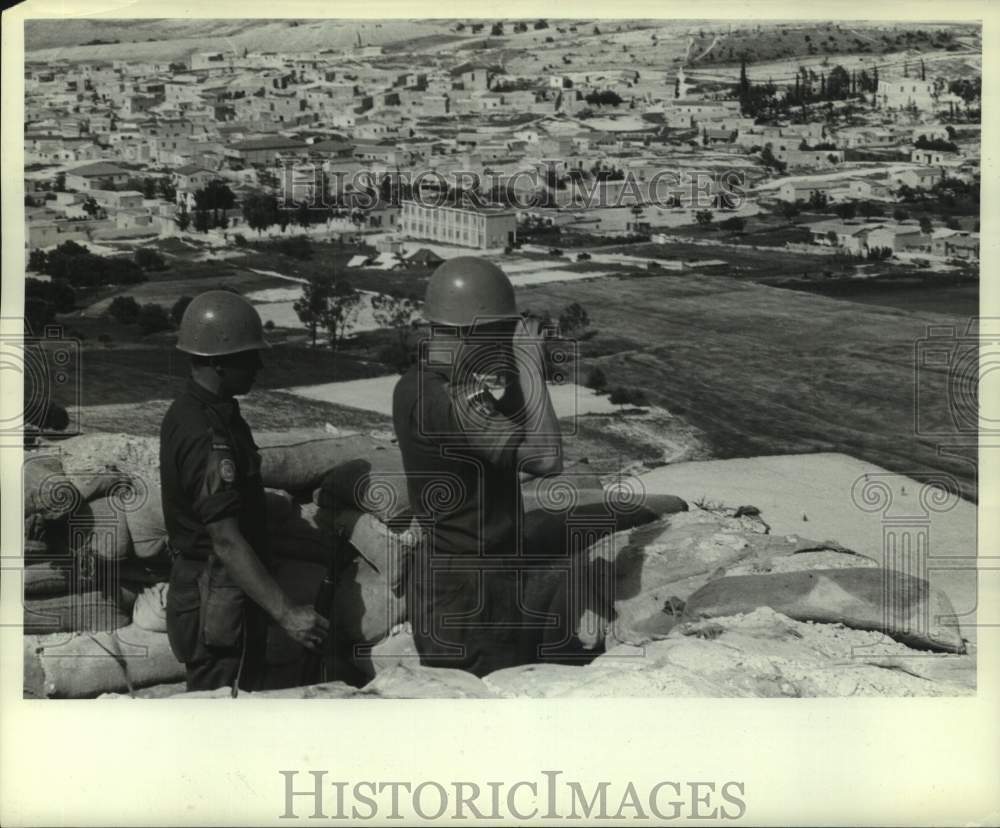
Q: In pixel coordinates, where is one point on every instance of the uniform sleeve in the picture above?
(208, 475)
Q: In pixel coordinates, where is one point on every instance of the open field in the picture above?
(762, 370)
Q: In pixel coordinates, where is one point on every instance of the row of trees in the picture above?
(762, 100)
(150, 317)
(80, 268)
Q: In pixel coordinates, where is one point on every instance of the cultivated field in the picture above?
(761, 370)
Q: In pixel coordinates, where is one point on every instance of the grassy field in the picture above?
(760, 370)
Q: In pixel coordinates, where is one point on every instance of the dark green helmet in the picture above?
(468, 289)
(217, 323)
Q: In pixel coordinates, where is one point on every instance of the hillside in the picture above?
(176, 38)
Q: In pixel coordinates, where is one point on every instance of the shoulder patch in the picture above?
(227, 470)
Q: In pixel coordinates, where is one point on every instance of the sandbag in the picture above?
(146, 525)
(370, 596)
(375, 484)
(629, 587)
(101, 528)
(92, 610)
(45, 489)
(149, 610)
(301, 538)
(35, 528)
(84, 665)
(900, 606)
(301, 467)
(592, 516)
(49, 578)
(557, 492)
(53, 492)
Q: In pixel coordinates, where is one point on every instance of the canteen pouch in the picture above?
(223, 606)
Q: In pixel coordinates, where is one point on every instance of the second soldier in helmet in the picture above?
(464, 451)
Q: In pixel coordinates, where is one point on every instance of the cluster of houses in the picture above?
(858, 238)
(270, 120)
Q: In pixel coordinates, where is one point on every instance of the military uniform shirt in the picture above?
(459, 447)
(209, 470)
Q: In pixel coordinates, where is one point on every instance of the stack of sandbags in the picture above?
(299, 466)
(631, 587)
(85, 665)
(75, 530)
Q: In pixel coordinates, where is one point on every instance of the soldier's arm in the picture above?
(540, 452)
(241, 562)
(209, 468)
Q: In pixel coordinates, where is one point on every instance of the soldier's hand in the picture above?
(305, 626)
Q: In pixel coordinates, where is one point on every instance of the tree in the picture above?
(394, 312)
(202, 221)
(345, 304)
(496, 30)
(56, 294)
(153, 318)
(818, 200)
(167, 190)
(790, 209)
(302, 216)
(149, 259)
(124, 309)
(744, 88)
(619, 395)
(37, 260)
(215, 197)
(900, 214)
(260, 211)
(91, 207)
(703, 217)
(833, 238)
(314, 304)
(926, 225)
(177, 311)
(596, 379)
(182, 217)
(574, 318)
(846, 210)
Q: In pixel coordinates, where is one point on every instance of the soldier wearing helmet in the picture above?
(221, 591)
(464, 450)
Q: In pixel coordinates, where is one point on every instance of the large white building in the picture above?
(900, 93)
(465, 227)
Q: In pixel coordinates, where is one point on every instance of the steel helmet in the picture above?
(468, 288)
(219, 322)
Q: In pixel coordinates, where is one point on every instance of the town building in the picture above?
(484, 228)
